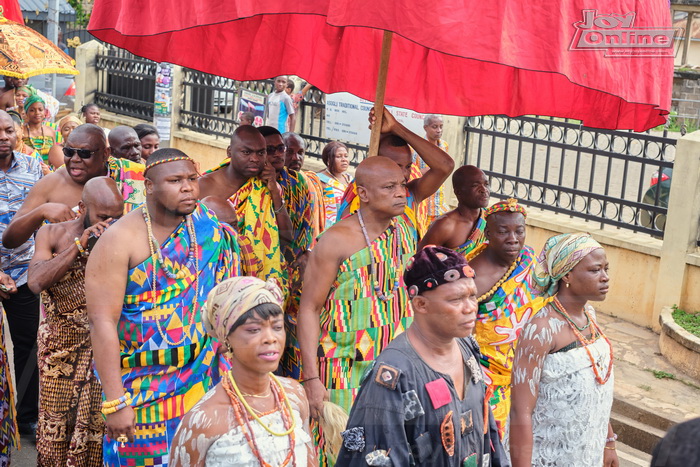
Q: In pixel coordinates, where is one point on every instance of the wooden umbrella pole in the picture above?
(379, 96)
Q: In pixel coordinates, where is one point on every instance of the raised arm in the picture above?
(33, 212)
(439, 162)
(321, 270)
(105, 284)
(536, 342)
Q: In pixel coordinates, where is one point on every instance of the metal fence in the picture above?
(593, 174)
(209, 105)
(126, 83)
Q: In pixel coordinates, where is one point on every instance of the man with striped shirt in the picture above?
(280, 107)
(18, 174)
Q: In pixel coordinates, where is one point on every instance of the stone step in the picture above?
(642, 415)
(630, 457)
(635, 434)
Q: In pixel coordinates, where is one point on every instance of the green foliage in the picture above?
(688, 321)
(658, 374)
(82, 17)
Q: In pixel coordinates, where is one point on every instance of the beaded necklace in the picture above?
(499, 283)
(44, 146)
(373, 265)
(241, 409)
(155, 247)
(595, 333)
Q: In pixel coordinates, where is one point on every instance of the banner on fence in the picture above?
(163, 100)
(253, 102)
(346, 118)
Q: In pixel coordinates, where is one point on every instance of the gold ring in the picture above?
(122, 439)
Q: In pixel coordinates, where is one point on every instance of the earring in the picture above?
(228, 348)
(567, 285)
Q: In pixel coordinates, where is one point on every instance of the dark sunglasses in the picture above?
(274, 149)
(82, 153)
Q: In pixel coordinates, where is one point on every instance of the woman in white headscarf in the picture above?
(562, 374)
(251, 418)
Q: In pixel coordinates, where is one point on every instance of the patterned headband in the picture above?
(432, 267)
(509, 205)
(170, 159)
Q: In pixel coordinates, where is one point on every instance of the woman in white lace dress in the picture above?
(251, 418)
(562, 378)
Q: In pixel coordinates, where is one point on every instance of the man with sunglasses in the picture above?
(55, 198)
(249, 182)
(18, 173)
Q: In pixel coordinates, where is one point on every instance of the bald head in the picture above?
(101, 201)
(246, 131)
(88, 130)
(375, 170)
(471, 187)
(125, 143)
(381, 186)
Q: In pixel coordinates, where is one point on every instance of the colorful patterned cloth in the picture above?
(355, 324)
(71, 426)
(168, 360)
(333, 194)
(499, 321)
(351, 203)
(42, 144)
(8, 424)
(257, 221)
(130, 181)
(433, 206)
(561, 253)
(476, 237)
(319, 208)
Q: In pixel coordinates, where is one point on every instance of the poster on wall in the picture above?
(253, 102)
(163, 100)
(347, 118)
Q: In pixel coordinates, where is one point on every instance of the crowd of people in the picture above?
(262, 314)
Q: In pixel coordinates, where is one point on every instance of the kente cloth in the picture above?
(250, 264)
(257, 221)
(333, 194)
(70, 427)
(168, 360)
(42, 144)
(434, 206)
(9, 435)
(30, 151)
(561, 253)
(355, 324)
(319, 208)
(410, 414)
(476, 237)
(130, 181)
(297, 200)
(351, 203)
(498, 324)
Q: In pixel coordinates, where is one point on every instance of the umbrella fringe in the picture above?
(45, 71)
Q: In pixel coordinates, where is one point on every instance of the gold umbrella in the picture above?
(24, 52)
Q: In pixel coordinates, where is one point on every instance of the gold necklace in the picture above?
(152, 248)
(499, 283)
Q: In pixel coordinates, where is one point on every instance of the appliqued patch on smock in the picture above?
(475, 369)
(412, 407)
(447, 434)
(470, 461)
(466, 422)
(354, 438)
(368, 371)
(387, 376)
(379, 458)
(439, 392)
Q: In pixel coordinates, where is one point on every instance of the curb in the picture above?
(679, 346)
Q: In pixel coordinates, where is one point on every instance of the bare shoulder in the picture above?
(210, 184)
(339, 241)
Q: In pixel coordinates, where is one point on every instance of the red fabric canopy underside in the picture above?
(12, 11)
(455, 57)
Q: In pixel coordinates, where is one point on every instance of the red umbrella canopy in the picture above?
(578, 59)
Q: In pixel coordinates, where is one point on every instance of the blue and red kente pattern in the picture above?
(166, 377)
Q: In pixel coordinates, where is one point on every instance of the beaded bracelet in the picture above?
(83, 252)
(279, 208)
(111, 410)
(116, 402)
(612, 439)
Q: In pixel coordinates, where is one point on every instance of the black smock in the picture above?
(408, 414)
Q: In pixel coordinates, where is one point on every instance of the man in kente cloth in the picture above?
(70, 428)
(395, 142)
(146, 281)
(249, 182)
(506, 302)
(55, 198)
(294, 161)
(353, 303)
(422, 403)
(299, 206)
(462, 229)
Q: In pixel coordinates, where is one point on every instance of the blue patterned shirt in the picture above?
(15, 184)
